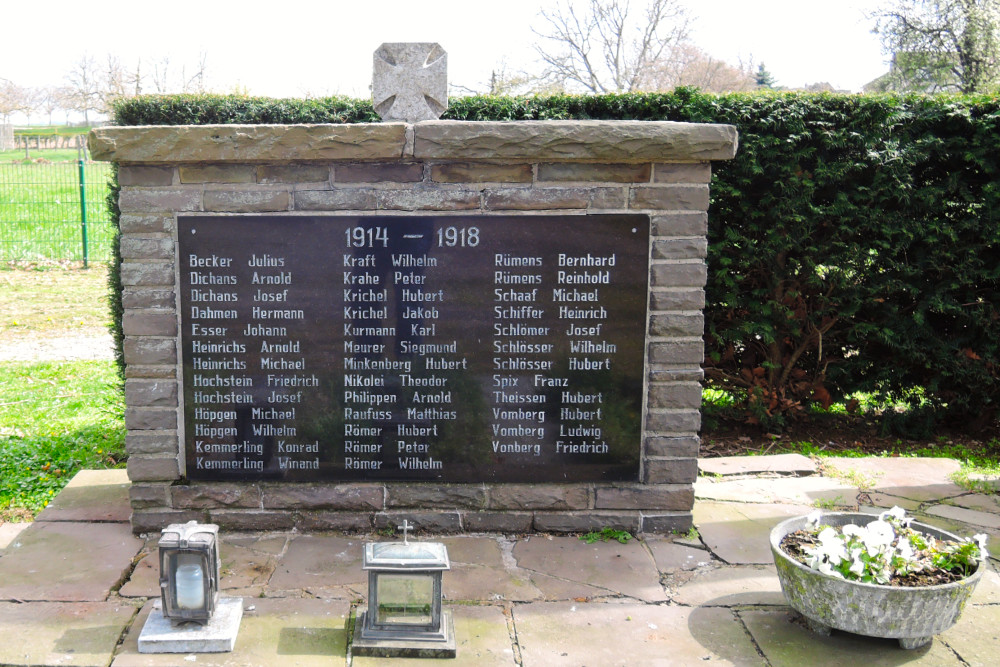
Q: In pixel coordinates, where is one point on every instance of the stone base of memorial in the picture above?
(477, 326)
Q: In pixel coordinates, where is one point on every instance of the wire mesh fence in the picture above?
(54, 211)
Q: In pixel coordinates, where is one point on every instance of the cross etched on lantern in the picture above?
(410, 81)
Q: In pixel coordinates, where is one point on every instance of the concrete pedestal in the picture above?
(160, 635)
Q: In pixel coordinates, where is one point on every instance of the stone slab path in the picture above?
(76, 585)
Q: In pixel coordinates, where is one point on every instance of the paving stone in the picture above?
(324, 565)
(554, 589)
(49, 633)
(976, 636)
(9, 533)
(977, 501)
(481, 639)
(627, 568)
(477, 583)
(565, 633)
(738, 533)
(671, 556)
(729, 586)
(801, 490)
(275, 631)
(882, 501)
(965, 515)
(92, 495)
(783, 464)
(988, 590)
(145, 579)
(924, 479)
(786, 641)
(67, 562)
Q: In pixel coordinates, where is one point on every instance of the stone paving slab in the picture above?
(92, 495)
(9, 533)
(732, 586)
(80, 634)
(482, 638)
(923, 479)
(780, 464)
(739, 533)
(615, 568)
(290, 632)
(976, 636)
(786, 642)
(671, 556)
(967, 516)
(325, 565)
(67, 562)
(478, 583)
(801, 490)
(977, 501)
(608, 635)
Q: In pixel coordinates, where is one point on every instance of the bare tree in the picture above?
(84, 86)
(605, 46)
(50, 98)
(688, 65)
(13, 99)
(196, 82)
(940, 45)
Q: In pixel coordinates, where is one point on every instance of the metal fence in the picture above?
(54, 211)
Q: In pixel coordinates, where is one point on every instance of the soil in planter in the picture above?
(793, 544)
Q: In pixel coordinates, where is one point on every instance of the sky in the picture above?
(291, 48)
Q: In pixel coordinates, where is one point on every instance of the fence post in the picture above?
(83, 210)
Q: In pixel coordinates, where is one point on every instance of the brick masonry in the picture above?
(565, 167)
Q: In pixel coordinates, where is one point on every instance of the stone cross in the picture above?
(405, 527)
(410, 81)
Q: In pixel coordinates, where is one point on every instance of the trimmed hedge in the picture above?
(854, 240)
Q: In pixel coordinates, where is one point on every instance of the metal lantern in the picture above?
(189, 571)
(404, 616)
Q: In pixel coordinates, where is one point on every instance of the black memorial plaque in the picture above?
(462, 349)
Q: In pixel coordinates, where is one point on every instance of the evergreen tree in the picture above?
(763, 78)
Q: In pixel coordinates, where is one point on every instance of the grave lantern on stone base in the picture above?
(190, 617)
(404, 617)
(189, 571)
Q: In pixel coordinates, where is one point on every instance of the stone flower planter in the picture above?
(913, 615)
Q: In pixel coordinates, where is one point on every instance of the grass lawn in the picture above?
(41, 216)
(52, 302)
(56, 418)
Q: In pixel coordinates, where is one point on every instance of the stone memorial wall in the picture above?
(474, 326)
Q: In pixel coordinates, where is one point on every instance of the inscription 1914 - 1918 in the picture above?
(415, 348)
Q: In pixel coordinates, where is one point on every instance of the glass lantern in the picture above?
(404, 616)
(189, 571)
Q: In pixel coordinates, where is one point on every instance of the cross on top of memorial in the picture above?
(410, 81)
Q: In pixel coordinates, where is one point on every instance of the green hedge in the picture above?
(854, 240)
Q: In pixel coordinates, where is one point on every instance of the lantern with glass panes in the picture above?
(189, 571)
(404, 599)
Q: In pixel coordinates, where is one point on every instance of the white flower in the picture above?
(905, 550)
(878, 534)
(980, 539)
(826, 568)
(812, 519)
(857, 565)
(832, 546)
(851, 529)
(897, 512)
